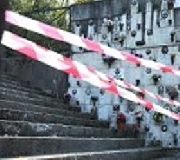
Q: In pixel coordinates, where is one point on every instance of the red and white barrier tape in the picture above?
(75, 68)
(73, 39)
(138, 89)
(58, 34)
(144, 91)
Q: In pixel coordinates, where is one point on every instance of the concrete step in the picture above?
(35, 101)
(26, 94)
(170, 158)
(170, 154)
(6, 76)
(10, 84)
(23, 128)
(32, 92)
(38, 108)
(15, 115)
(16, 81)
(30, 146)
(123, 154)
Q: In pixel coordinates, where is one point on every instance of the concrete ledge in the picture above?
(23, 128)
(9, 114)
(29, 146)
(129, 154)
(7, 104)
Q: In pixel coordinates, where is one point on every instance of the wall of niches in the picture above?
(148, 30)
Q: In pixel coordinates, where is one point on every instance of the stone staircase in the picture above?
(33, 123)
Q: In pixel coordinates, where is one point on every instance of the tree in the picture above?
(52, 12)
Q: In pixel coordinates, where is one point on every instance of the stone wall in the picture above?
(39, 75)
(150, 31)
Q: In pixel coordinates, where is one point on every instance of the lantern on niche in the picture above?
(128, 25)
(116, 107)
(110, 25)
(78, 83)
(139, 117)
(164, 128)
(173, 56)
(121, 25)
(116, 37)
(149, 32)
(140, 55)
(130, 106)
(158, 23)
(148, 51)
(121, 39)
(164, 50)
(104, 36)
(133, 51)
(178, 86)
(176, 122)
(117, 71)
(160, 89)
(78, 24)
(175, 139)
(172, 92)
(74, 91)
(146, 128)
(170, 22)
(133, 33)
(138, 82)
(138, 26)
(148, 70)
(94, 99)
(158, 117)
(66, 98)
(91, 22)
(172, 34)
(156, 78)
(101, 91)
(107, 59)
(77, 103)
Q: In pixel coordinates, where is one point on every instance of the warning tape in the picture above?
(77, 69)
(58, 34)
(144, 91)
(61, 35)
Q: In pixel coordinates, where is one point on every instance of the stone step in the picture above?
(20, 93)
(38, 108)
(32, 92)
(11, 82)
(34, 101)
(171, 154)
(16, 81)
(23, 128)
(170, 158)
(30, 146)
(15, 115)
(123, 154)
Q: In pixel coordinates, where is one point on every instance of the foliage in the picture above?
(51, 12)
(83, 1)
